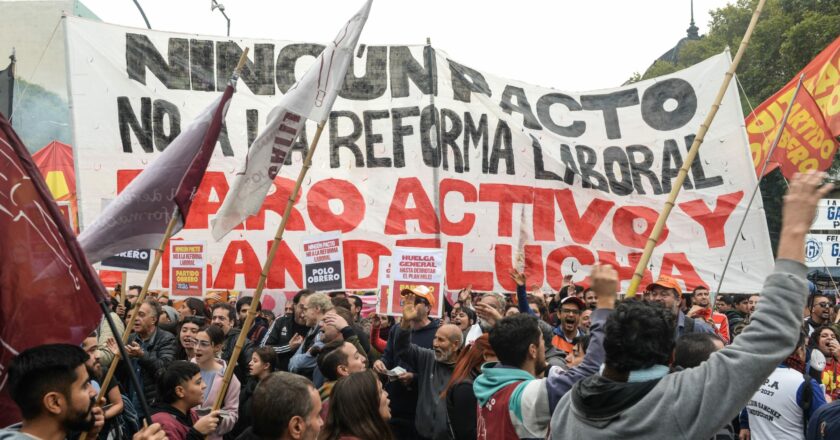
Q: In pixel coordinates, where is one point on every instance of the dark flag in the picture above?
(138, 217)
(48, 290)
(7, 89)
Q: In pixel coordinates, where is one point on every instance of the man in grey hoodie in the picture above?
(634, 397)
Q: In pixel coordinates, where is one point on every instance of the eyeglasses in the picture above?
(659, 294)
(823, 304)
(570, 311)
(202, 343)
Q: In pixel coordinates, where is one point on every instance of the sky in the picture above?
(567, 45)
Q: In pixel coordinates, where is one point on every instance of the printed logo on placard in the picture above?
(813, 250)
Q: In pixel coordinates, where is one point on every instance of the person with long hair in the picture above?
(379, 328)
(186, 331)
(460, 399)
(207, 349)
(824, 339)
(359, 409)
(193, 307)
(263, 363)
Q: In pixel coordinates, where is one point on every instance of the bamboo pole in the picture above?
(755, 190)
(166, 236)
(123, 286)
(677, 184)
(255, 301)
(129, 325)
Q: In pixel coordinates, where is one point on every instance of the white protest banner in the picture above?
(187, 268)
(822, 250)
(828, 215)
(323, 266)
(412, 268)
(568, 179)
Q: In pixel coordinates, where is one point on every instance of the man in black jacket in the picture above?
(150, 350)
(286, 333)
(224, 317)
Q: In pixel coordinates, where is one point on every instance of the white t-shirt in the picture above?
(773, 411)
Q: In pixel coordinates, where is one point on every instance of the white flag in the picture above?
(310, 98)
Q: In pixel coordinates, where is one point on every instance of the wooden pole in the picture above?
(129, 325)
(755, 190)
(677, 184)
(166, 235)
(255, 301)
(123, 286)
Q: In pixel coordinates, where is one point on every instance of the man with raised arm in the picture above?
(635, 397)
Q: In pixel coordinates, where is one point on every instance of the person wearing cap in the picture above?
(568, 322)
(433, 367)
(638, 396)
(667, 291)
(403, 391)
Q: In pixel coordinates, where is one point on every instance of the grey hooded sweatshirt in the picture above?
(693, 403)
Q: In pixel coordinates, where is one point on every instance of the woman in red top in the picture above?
(359, 409)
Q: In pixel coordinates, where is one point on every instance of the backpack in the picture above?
(827, 422)
(807, 398)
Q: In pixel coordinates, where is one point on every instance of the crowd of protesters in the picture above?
(578, 363)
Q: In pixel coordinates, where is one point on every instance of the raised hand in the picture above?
(465, 295)
(518, 277)
(605, 285)
(800, 205)
(335, 320)
(488, 313)
(409, 312)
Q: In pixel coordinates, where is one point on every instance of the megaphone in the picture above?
(817, 360)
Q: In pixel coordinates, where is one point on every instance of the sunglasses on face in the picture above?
(822, 304)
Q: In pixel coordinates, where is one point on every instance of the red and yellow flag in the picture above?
(808, 141)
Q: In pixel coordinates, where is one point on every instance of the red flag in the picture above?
(47, 287)
(138, 217)
(822, 82)
(806, 142)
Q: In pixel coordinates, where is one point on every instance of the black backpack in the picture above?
(807, 398)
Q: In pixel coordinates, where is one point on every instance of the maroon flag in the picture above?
(48, 290)
(138, 217)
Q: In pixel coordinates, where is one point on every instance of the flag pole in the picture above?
(692, 153)
(757, 184)
(152, 269)
(123, 287)
(255, 301)
(129, 322)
